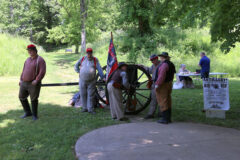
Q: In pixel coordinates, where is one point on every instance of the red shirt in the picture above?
(33, 71)
(162, 72)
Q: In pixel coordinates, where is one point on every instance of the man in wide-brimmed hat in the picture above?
(152, 70)
(30, 81)
(163, 85)
(86, 67)
(118, 82)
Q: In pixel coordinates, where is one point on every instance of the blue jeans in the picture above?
(76, 97)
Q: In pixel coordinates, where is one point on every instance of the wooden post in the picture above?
(111, 36)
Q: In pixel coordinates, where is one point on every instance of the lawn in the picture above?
(54, 135)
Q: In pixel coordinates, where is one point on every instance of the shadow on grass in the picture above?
(71, 92)
(54, 48)
(53, 136)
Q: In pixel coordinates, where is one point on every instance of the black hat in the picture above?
(164, 54)
(152, 57)
(120, 64)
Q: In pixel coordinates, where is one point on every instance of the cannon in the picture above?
(135, 100)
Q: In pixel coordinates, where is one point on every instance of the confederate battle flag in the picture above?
(112, 62)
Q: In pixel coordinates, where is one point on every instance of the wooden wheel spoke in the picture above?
(138, 98)
(140, 76)
(142, 89)
(124, 97)
(142, 95)
(124, 91)
(139, 102)
(141, 83)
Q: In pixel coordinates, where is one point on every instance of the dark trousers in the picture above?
(204, 75)
(185, 78)
(26, 89)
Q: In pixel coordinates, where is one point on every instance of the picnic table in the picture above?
(197, 76)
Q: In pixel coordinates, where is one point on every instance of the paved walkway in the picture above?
(152, 141)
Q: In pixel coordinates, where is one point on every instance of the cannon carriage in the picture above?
(135, 100)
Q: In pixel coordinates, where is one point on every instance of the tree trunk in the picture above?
(31, 25)
(83, 39)
(11, 16)
(83, 28)
(143, 21)
(11, 10)
(76, 48)
(31, 32)
(49, 17)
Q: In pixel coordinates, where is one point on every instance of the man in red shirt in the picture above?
(30, 81)
(163, 86)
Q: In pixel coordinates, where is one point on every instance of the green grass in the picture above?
(188, 106)
(59, 126)
(54, 135)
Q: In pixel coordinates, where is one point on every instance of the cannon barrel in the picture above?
(98, 83)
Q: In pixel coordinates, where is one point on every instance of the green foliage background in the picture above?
(184, 46)
(141, 27)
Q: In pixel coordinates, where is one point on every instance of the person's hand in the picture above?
(34, 82)
(20, 82)
(149, 84)
(104, 79)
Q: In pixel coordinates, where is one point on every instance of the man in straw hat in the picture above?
(118, 82)
(163, 85)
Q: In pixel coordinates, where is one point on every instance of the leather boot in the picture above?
(149, 116)
(26, 108)
(35, 109)
(170, 115)
(159, 114)
(165, 117)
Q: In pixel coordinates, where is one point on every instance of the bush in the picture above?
(184, 46)
(13, 54)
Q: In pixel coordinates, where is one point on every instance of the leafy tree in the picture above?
(70, 29)
(140, 19)
(109, 16)
(225, 23)
(44, 16)
(135, 14)
(30, 18)
(223, 17)
(15, 16)
(79, 23)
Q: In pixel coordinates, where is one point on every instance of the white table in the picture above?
(196, 75)
(199, 74)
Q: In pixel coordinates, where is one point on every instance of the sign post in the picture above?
(216, 97)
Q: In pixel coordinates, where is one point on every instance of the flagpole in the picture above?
(111, 36)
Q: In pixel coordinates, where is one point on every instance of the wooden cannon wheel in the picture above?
(138, 97)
